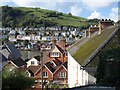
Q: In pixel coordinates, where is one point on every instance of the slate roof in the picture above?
(53, 68)
(50, 67)
(65, 64)
(26, 60)
(5, 53)
(60, 49)
(37, 58)
(2, 58)
(12, 49)
(57, 62)
(19, 62)
(3, 61)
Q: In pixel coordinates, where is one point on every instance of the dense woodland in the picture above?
(37, 17)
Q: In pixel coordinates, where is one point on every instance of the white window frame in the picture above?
(45, 74)
(62, 74)
(55, 54)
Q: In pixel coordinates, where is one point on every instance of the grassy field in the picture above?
(64, 19)
(89, 47)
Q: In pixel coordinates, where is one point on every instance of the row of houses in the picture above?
(33, 39)
(72, 34)
(59, 67)
(42, 38)
(53, 28)
(43, 32)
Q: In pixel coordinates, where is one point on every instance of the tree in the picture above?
(14, 79)
(69, 14)
(10, 16)
(108, 72)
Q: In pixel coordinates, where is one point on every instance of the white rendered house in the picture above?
(77, 76)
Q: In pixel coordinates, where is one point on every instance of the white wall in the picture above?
(29, 62)
(76, 75)
(22, 37)
(44, 38)
(26, 37)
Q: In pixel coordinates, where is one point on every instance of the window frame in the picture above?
(45, 74)
(62, 74)
(32, 62)
(54, 54)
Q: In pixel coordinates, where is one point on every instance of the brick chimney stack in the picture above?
(63, 42)
(54, 41)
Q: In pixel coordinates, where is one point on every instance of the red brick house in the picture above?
(61, 75)
(55, 69)
(58, 52)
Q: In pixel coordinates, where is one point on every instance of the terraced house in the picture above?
(88, 52)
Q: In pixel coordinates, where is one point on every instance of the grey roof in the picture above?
(5, 53)
(13, 50)
(19, 62)
(2, 58)
(3, 61)
(57, 62)
(49, 66)
(65, 64)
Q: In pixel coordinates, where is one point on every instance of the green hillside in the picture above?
(37, 17)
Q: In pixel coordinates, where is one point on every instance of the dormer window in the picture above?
(54, 54)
